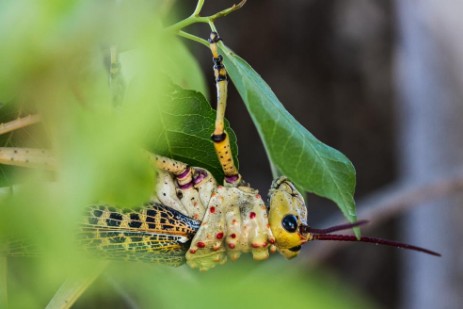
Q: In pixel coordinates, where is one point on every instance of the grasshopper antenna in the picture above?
(324, 234)
(306, 229)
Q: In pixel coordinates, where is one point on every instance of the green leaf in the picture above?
(183, 68)
(184, 133)
(176, 62)
(311, 164)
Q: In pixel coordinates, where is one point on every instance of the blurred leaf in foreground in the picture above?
(245, 284)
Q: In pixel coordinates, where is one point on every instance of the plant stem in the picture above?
(199, 7)
(212, 25)
(192, 37)
(186, 22)
(225, 12)
(74, 287)
(196, 18)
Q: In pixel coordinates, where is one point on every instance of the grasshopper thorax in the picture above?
(287, 217)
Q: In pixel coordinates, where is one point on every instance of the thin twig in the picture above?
(70, 291)
(225, 12)
(19, 123)
(196, 18)
(199, 7)
(385, 204)
(192, 37)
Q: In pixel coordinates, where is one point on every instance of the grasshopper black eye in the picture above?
(289, 223)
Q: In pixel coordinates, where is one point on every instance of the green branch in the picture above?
(196, 18)
(199, 7)
(194, 38)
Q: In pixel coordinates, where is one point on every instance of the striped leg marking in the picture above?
(220, 136)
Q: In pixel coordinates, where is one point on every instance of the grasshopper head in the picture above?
(287, 217)
(288, 222)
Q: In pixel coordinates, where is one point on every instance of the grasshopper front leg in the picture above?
(235, 222)
(219, 136)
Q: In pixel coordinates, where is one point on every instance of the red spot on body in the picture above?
(233, 235)
(252, 215)
(258, 196)
(254, 245)
(200, 244)
(192, 251)
(272, 241)
(231, 246)
(212, 209)
(219, 235)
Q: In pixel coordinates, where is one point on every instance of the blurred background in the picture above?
(378, 80)
(381, 81)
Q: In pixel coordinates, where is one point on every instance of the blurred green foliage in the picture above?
(51, 60)
(245, 284)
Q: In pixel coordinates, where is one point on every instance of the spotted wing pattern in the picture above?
(153, 233)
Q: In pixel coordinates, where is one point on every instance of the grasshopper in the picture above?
(193, 219)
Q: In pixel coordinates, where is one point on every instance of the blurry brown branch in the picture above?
(385, 204)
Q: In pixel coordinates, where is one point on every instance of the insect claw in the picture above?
(234, 256)
(218, 259)
(259, 255)
(273, 249)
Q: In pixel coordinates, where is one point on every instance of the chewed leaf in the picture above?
(187, 122)
(298, 154)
